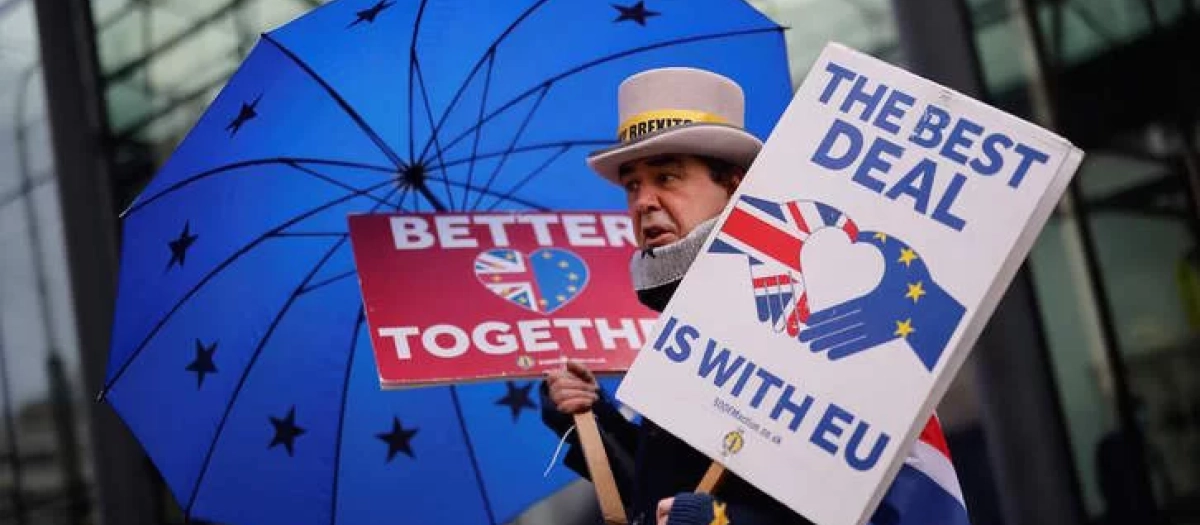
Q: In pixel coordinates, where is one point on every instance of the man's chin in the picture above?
(659, 242)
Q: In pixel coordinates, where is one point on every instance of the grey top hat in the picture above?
(678, 110)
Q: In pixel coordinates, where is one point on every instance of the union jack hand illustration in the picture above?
(906, 303)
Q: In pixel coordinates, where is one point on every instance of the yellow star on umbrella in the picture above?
(542, 302)
(881, 236)
(915, 291)
(560, 298)
(546, 255)
(907, 256)
(563, 264)
(904, 328)
(510, 256)
(572, 276)
(571, 288)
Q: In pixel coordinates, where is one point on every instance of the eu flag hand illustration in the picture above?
(906, 304)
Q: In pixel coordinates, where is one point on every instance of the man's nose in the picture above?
(645, 200)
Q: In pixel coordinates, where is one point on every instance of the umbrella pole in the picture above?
(601, 473)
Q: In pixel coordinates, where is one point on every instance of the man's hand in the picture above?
(906, 304)
(572, 389)
(664, 510)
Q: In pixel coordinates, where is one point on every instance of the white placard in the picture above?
(846, 282)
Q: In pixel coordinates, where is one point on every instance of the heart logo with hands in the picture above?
(835, 288)
(906, 303)
(838, 269)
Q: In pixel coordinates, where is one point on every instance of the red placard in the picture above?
(454, 297)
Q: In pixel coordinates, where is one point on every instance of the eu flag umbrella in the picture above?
(240, 357)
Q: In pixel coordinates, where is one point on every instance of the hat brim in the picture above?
(728, 143)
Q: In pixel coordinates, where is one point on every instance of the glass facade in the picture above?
(1115, 268)
(866, 25)
(162, 63)
(45, 473)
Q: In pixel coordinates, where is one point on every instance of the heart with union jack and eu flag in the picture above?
(543, 281)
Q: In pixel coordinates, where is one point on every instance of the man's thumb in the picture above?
(580, 371)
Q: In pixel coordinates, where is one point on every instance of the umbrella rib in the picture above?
(491, 50)
(337, 451)
(588, 65)
(487, 85)
(270, 234)
(399, 206)
(412, 60)
(243, 164)
(262, 343)
(326, 282)
(512, 144)
(523, 149)
(350, 273)
(424, 190)
(416, 198)
(307, 234)
(237, 390)
(333, 181)
(341, 102)
(429, 113)
(540, 169)
(495, 194)
(462, 424)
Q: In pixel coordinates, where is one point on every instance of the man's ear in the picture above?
(735, 179)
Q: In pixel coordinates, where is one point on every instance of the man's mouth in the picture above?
(655, 236)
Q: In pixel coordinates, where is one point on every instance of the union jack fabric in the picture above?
(926, 490)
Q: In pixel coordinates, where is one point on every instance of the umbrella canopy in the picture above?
(240, 357)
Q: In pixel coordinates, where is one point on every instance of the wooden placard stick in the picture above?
(600, 470)
(712, 479)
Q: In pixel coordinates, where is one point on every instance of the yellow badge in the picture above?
(525, 362)
(733, 442)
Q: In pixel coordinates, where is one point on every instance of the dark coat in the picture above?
(650, 464)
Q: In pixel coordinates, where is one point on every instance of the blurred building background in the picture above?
(1080, 405)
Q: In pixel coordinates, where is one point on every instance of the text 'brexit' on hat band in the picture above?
(651, 121)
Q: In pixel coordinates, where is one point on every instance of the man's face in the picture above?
(669, 195)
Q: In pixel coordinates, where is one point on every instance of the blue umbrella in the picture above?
(240, 356)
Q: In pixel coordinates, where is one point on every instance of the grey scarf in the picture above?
(657, 272)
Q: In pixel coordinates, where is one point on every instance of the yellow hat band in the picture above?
(651, 121)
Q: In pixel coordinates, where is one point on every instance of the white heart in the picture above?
(836, 271)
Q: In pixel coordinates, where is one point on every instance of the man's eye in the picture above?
(666, 177)
(631, 187)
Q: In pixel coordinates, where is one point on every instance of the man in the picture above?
(682, 154)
